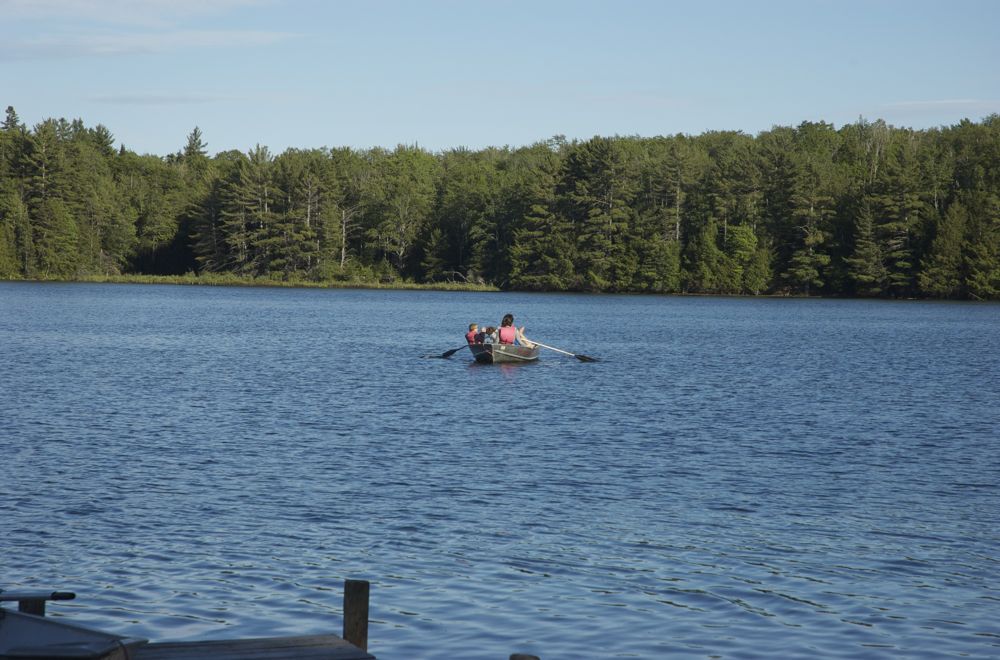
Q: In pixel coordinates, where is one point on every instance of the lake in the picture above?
(735, 478)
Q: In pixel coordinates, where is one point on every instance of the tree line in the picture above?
(865, 210)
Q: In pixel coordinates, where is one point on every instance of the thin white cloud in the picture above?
(973, 105)
(157, 98)
(939, 102)
(150, 13)
(97, 45)
(641, 99)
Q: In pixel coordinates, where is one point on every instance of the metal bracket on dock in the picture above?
(33, 602)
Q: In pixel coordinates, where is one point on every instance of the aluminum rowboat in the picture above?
(503, 353)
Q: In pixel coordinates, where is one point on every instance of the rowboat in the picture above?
(503, 353)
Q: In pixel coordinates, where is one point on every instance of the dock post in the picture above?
(34, 606)
(356, 612)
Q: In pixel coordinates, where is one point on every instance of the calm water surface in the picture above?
(734, 479)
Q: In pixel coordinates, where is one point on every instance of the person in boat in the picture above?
(509, 333)
(473, 335)
(489, 335)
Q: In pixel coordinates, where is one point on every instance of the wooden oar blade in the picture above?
(581, 358)
(445, 355)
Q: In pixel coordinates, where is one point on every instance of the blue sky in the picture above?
(444, 74)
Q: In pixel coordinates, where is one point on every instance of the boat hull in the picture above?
(503, 353)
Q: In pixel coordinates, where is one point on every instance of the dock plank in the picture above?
(310, 647)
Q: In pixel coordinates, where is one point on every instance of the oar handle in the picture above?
(551, 348)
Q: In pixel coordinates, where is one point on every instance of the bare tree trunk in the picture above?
(343, 238)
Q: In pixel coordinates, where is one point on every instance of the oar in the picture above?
(581, 358)
(446, 354)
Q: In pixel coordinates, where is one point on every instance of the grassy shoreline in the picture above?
(212, 279)
(233, 280)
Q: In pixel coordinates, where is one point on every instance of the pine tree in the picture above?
(670, 168)
(865, 266)
(598, 194)
(749, 273)
(433, 264)
(465, 212)
(195, 147)
(45, 163)
(9, 267)
(543, 248)
(209, 244)
(55, 240)
(541, 256)
(899, 213)
(659, 265)
(811, 210)
(757, 274)
(982, 249)
(706, 266)
(941, 272)
(12, 123)
(247, 214)
(404, 192)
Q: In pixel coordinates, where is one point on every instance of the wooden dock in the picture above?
(311, 647)
(352, 646)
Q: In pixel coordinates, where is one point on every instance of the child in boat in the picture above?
(472, 336)
(489, 335)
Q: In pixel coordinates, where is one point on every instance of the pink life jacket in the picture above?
(470, 336)
(507, 334)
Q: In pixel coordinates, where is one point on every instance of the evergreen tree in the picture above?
(208, 229)
(706, 266)
(868, 209)
(899, 214)
(982, 249)
(667, 173)
(16, 217)
(543, 248)
(195, 148)
(349, 180)
(44, 163)
(757, 274)
(10, 205)
(404, 192)
(11, 123)
(659, 265)
(102, 140)
(941, 272)
(55, 240)
(433, 264)
(598, 193)
(750, 269)
(465, 212)
(865, 267)
(811, 210)
(247, 213)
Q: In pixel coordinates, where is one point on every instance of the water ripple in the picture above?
(779, 478)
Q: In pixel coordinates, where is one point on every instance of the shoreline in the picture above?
(251, 282)
(397, 285)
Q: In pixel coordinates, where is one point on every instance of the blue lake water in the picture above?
(736, 478)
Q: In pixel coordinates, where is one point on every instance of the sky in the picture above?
(446, 74)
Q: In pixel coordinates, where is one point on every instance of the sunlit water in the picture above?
(735, 478)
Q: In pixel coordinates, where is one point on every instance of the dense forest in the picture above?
(865, 210)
